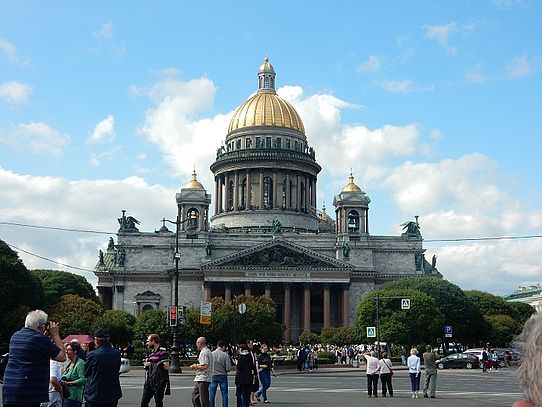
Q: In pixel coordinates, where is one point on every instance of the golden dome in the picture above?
(351, 187)
(194, 184)
(266, 109)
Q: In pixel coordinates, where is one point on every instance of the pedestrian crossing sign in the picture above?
(405, 303)
(371, 332)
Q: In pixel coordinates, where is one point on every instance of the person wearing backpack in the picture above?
(157, 373)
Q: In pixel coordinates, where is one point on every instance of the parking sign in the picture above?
(371, 332)
(448, 331)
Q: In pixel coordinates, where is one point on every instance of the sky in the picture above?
(434, 106)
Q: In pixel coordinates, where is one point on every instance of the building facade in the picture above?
(265, 236)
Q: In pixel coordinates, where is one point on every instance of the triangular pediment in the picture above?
(277, 253)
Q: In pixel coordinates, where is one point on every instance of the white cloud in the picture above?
(104, 130)
(519, 67)
(441, 34)
(35, 137)
(15, 92)
(174, 125)
(507, 4)
(105, 31)
(403, 86)
(96, 158)
(475, 74)
(371, 65)
(86, 204)
(10, 51)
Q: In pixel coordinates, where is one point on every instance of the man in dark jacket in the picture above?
(244, 376)
(102, 372)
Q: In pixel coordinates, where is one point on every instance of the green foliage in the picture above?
(76, 315)
(327, 335)
(120, 325)
(20, 292)
(523, 311)
(420, 324)
(451, 302)
(345, 335)
(490, 304)
(152, 322)
(502, 329)
(308, 338)
(57, 283)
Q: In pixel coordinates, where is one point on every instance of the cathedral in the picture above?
(265, 236)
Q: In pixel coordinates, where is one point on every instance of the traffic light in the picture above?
(172, 316)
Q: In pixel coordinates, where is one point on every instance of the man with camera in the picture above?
(26, 380)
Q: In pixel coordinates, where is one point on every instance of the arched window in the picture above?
(353, 221)
(244, 194)
(268, 193)
(193, 217)
(231, 190)
(283, 200)
(147, 307)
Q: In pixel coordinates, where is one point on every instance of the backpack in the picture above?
(3, 364)
(157, 377)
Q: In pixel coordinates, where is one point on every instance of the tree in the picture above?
(308, 338)
(152, 322)
(523, 311)
(466, 320)
(502, 329)
(422, 323)
(327, 335)
(345, 335)
(120, 325)
(76, 315)
(490, 304)
(20, 292)
(57, 283)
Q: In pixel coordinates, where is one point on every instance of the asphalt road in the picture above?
(347, 387)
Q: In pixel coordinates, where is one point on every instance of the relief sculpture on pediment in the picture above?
(279, 256)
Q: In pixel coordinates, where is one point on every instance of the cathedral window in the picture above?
(288, 143)
(193, 217)
(238, 145)
(231, 191)
(268, 142)
(268, 193)
(296, 145)
(353, 221)
(258, 142)
(283, 201)
(279, 142)
(248, 143)
(266, 82)
(302, 194)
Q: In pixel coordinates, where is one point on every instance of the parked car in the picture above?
(124, 365)
(458, 361)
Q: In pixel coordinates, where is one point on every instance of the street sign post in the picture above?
(371, 332)
(205, 313)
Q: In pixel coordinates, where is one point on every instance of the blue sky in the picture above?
(434, 105)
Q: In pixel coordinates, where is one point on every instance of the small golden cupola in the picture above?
(351, 186)
(194, 183)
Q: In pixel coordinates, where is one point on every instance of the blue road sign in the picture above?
(371, 332)
(447, 330)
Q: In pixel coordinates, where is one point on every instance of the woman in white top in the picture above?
(413, 363)
(372, 373)
(385, 374)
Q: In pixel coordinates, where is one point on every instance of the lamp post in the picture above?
(175, 366)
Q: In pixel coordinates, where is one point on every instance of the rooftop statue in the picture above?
(411, 228)
(128, 224)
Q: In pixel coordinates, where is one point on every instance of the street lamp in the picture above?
(175, 366)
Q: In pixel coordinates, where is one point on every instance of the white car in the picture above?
(124, 365)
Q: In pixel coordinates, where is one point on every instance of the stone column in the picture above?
(247, 288)
(220, 196)
(327, 305)
(217, 182)
(260, 194)
(207, 290)
(346, 304)
(249, 190)
(227, 292)
(236, 191)
(275, 189)
(226, 192)
(268, 289)
(288, 192)
(298, 193)
(307, 307)
(286, 318)
(307, 193)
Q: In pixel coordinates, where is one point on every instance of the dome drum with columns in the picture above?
(266, 236)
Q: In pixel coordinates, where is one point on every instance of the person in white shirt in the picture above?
(373, 367)
(55, 390)
(204, 367)
(413, 363)
(385, 374)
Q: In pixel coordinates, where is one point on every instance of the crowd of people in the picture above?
(42, 371)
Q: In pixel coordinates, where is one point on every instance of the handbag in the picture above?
(66, 393)
(389, 367)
